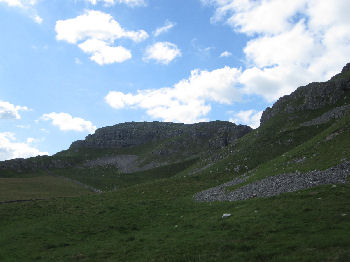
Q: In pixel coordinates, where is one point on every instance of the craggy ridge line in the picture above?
(275, 185)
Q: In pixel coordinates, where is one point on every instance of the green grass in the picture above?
(144, 223)
(38, 187)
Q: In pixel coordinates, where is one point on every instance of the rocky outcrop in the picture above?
(312, 96)
(215, 134)
(129, 134)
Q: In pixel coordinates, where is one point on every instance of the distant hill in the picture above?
(134, 144)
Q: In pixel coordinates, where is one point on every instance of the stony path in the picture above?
(275, 185)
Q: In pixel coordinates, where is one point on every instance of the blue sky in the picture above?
(68, 67)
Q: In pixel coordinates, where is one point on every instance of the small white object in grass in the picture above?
(334, 186)
(226, 215)
(175, 226)
(343, 215)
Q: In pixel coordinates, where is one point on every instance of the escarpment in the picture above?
(312, 96)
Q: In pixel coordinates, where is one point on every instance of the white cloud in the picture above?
(95, 25)
(112, 2)
(187, 101)
(19, 3)
(291, 43)
(66, 122)
(30, 140)
(16, 3)
(103, 54)
(10, 149)
(226, 54)
(10, 111)
(162, 52)
(247, 117)
(38, 19)
(164, 29)
(27, 5)
(95, 32)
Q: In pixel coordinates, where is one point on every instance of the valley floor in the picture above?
(145, 224)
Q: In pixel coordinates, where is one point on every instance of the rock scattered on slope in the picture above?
(275, 185)
(335, 113)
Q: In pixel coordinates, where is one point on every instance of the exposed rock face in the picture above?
(129, 134)
(312, 96)
(218, 133)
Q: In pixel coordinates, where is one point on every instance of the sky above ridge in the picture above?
(68, 67)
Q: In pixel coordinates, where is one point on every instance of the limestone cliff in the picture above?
(215, 134)
(312, 96)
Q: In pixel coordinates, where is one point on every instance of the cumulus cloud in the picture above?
(187, 101)
(19, 3)
(30, 140)
(10, 111)
(95, 33)
(38, 19)
(226, 54)
(162, 52)
(247, 117)
(164, 29)
(66, 122)
(16, 3)
(10, 148)
(27, 5)
(290, 43)
(103, 54)
(131, 3)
